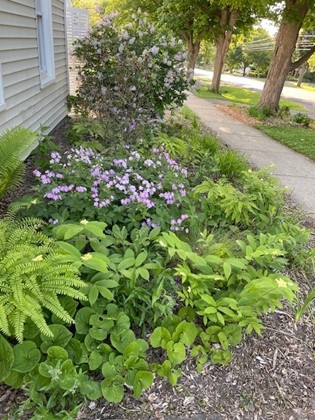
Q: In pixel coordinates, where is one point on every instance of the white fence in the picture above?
(77, 28)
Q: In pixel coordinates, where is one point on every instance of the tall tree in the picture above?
(294, 15)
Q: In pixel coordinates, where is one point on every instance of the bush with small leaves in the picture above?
(129, 76)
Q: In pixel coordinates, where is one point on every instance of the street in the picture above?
(303, 97)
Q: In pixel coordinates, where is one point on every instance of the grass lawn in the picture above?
(296, 138)
(239, 95)
(309, 88)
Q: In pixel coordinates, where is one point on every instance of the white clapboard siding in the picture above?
(26, 102)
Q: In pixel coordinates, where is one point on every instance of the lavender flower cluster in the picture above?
(101, 182)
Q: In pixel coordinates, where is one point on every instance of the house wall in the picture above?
(26, 102)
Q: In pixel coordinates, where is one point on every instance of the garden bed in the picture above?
(269, 377)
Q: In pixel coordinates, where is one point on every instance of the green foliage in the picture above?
(15, 145)
(260, 113)
(189, 283)
(31, 279)
(255, 200)
(302, 119)
(129, 270)
(129, 77)
(228, 292)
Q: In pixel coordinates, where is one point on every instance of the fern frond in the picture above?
(19, 322)
(52, 303)
(15, 146)
(4, 324)
(31, 278)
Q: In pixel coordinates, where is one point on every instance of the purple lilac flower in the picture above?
(53, 196)
(80, 189)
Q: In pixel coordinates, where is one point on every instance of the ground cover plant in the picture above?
(185, 277)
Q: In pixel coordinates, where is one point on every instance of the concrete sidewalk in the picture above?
(292, 169)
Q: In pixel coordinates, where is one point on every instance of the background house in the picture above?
(34, 80)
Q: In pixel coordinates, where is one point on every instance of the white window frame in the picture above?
(2, 97)
(45, 42)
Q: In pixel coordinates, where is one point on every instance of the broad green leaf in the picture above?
(6, 358)
(121, 340)
(82, 319)
(154, 233)
(141, 258)
(110, 284)
(113, 389)
(15, 379)
(126, 263)
(227, 270)
(95, 230)
(57, 352)
(96, 261)
(160, 337)
(93, 294)
(210, 310)
(97, 246)
(236, 262)
(142, 381)
(105, 292)
(95, 360)
(61, 337)
(69, 249)
(221, 357)
(186, 332)
(72, 230)
(144, 273)
(209, 299)
(223, 340)
(176, 352)
(227, 311)
(26, 356)
(91, 389)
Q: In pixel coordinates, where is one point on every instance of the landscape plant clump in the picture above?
(136, 188)
(129, 76)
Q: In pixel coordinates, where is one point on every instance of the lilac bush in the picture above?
(129, 76)
(133, 188)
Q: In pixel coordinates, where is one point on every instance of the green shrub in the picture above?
(302, 119)
(129, 76)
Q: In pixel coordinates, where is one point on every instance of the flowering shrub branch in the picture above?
(129, 76)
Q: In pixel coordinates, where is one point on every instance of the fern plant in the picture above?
(15, 145)
(31, 278)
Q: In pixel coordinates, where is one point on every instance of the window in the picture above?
(45, 41)
(2, 98)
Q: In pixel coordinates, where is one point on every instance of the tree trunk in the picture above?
(222, 43)
(303, 70)
(193, 51)
(281, 62)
